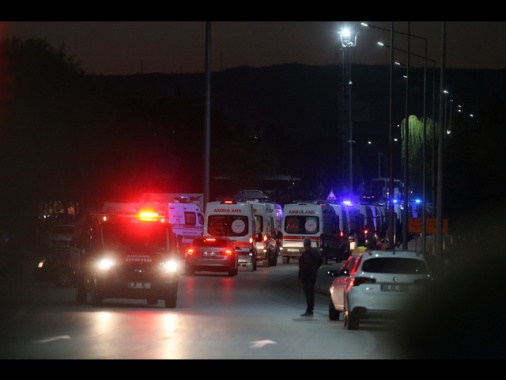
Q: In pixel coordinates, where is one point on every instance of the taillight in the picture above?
(189, 251)
(228, 252)
(265, 238)
(362, 280)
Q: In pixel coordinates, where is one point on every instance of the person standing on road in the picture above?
(309, 263)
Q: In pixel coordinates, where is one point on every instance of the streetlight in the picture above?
(379, 164)
(348, 41)
(405, 227)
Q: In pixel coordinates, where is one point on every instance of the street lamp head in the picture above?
(348, 38)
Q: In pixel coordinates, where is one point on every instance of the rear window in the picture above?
(394, 265)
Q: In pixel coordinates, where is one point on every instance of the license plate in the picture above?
(139, 285)
(394, 288)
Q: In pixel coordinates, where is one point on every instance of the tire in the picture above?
(274, 258)
(63, 278)
(96, 299)
(152, 301)
(81, 294)
(189, 271)
(171, 299)
(351, 323)
(333, 313)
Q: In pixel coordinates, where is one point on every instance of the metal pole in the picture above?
(391, 148)
(424, 232)
(207, 154)
(439, 216)
(350, 121)
(406, 153)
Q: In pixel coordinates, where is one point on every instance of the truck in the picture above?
(125, 255)
(236, 221)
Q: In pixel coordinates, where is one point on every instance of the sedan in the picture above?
(211, 254)
(376, 284)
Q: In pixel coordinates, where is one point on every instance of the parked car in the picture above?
(211, 254)
(376, 284)
(56, 268)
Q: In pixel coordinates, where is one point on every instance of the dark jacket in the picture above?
(309, 263)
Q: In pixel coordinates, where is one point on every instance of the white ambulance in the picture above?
(236, 221)
(316, 221)
(265, 237)
(187, 218)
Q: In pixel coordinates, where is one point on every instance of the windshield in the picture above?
(135, 236)
(228, 225)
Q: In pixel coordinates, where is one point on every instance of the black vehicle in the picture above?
(58, 268)
(126, 256)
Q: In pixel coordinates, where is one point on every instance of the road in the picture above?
(255, 315)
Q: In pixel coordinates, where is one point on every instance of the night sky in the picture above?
(130, 47)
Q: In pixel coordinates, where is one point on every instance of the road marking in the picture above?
(260, 343)
(52, 339)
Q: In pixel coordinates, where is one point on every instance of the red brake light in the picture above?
(210, 239)
(228, 252)
(189, 251)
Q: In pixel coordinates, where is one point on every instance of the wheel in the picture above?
(286, 259)
(96, 299)
(333, 313)
(81, 294)
(350, 322)
(171, 299)
(152, 301)
(63, 278)
(274, 258)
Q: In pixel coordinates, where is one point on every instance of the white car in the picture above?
(376, 284)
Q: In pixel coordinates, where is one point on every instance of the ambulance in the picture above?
(265, 237)
(315, 221)
(186, 217)
(234, 220)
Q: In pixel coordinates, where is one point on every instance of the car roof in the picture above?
(370, 253)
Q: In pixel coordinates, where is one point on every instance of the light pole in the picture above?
(348, 41)
(424, 198)
(406, 184)
(379, 164)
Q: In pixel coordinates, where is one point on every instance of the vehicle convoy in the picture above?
(124, 255)
(266, 235)
(376, 284)
(316, 221)
(236, 221)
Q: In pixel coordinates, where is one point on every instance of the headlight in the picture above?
(105, 264)
(171, 266)
(41, 263)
